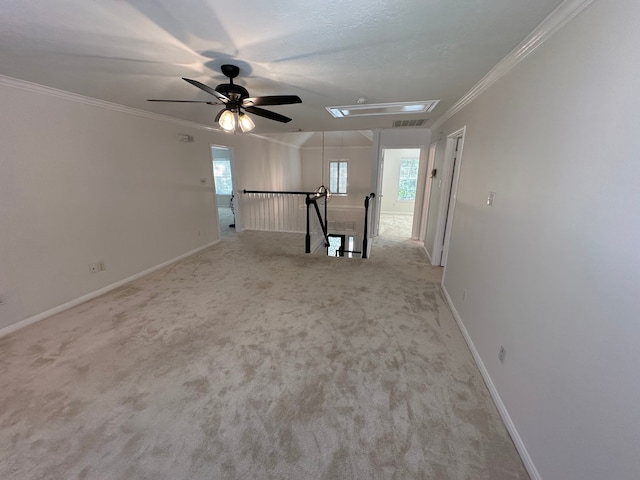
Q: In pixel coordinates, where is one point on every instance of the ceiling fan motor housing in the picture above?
(231, 71)
(232, 91)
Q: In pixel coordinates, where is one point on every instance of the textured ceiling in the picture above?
(329, 53)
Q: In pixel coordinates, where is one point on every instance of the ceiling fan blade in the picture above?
(261, 112)
(271, 100)
(207, 89)
(183, 101)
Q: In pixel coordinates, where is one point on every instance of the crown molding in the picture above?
(74, 97)
(368, 134)
(563, 14)
(266, 138)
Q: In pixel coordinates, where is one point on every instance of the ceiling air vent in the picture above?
(409, 123)
(396, 108)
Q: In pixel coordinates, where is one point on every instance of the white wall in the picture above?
(81, 183)
(315, 171)
(342, 210)
(263, 163)
(266, 163)
(552, 271)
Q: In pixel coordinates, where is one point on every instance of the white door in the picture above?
(424, 222)
(377, 166)
(455, 143)
(448, 219)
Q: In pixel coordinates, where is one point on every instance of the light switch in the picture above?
(491, 198)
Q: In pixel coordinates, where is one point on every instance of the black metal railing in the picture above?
(365, 238)
(311, 198)
(340, 253)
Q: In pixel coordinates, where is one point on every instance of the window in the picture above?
(338, 176)
(336, 245)
(408, 179)
(222, 177)
(352, 246)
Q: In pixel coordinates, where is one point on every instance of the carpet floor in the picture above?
(395, 225)
(246, 361)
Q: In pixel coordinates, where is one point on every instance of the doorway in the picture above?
(224, 187)
(399, 168)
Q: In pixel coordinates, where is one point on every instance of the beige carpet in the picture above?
(248, 362)
(395, 225)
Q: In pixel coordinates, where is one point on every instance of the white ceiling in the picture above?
(328, 52)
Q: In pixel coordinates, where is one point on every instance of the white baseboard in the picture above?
(506, 418)
(89, 296)
(427, 252)
(389, 212)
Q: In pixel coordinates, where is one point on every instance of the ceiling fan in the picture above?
(236, 98)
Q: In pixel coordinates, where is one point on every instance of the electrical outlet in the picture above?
(97, 267)
(502, 354)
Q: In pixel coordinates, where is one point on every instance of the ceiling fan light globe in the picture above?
(227, 121)
(246, 124)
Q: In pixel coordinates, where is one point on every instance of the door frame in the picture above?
(448, 196)
(418, 215)
(234, 188)
(376, 185)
